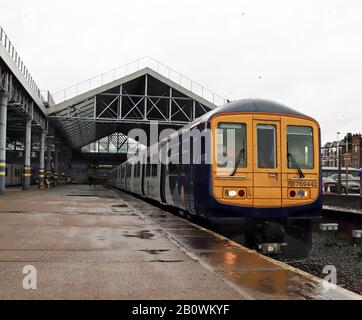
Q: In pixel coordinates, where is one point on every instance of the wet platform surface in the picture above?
(101, 244)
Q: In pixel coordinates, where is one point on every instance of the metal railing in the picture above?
(6, 43)
(132, 67)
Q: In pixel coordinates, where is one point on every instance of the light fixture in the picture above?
(301, 193)
(232, 193)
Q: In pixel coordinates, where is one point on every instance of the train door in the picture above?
(191, 173)
(8, 175)
(126, 177)
(163, 172)
(163, 182)
(267, 162)
(143, 174)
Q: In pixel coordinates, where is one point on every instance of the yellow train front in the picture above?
(254, 170)
(273, 184)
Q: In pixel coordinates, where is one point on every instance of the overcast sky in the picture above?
(306, 54)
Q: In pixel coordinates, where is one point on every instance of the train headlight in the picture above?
(232, 193)
(301, 193)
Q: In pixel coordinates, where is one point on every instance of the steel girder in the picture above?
(129, 105)
(20, 104)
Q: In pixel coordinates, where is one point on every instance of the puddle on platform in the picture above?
(155, 251)
(143, 234)
(158, 215)
(165, 261)
(122, 205)
(91, 195)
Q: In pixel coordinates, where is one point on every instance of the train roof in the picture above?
(248, 106)
(242, 105)
(253, 106)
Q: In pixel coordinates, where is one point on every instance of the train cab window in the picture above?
(266, 146)
(300, 147)
(231, 145)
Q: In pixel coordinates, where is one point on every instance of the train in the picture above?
(256, 171)
(14, 174)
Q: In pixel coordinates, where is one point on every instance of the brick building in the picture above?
(329, 154)
(330, 157)
(356, 154)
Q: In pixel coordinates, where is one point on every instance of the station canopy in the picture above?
(131, 101)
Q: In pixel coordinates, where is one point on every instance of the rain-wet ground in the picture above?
(87, 243)
(256, 276)
(336, 249)
(100, 244)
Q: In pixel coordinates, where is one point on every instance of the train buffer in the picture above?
(87, 243)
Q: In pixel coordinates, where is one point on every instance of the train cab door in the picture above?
(267, 162)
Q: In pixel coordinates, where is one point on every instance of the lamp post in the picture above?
(339, 165)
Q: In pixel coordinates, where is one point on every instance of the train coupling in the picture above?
(272, 248)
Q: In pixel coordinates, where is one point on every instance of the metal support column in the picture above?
(56, 165)
(193, 116)
(27, 167)
(41, 158)
(170, 105)
(339, 183)
(48, 173)
(145, 101)
(119, 111)
(4, 97)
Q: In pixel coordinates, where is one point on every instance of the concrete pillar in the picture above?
(41, 158)
(27, 167)
(4, 97)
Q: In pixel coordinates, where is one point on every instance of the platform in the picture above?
(97, 243)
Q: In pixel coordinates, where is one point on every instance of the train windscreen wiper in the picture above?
(238, 160)
(296, 165)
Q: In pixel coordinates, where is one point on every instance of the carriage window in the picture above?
(231, 145)
(266, 146)
(300, 147)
